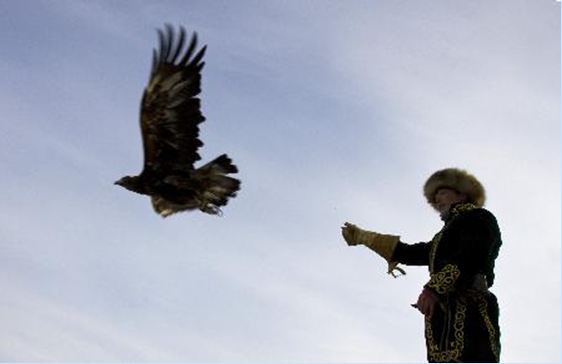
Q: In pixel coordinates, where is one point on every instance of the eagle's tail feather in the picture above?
(222, 164)
(219, 186)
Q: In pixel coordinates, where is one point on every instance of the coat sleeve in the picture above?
(465, 252)
(411, 254)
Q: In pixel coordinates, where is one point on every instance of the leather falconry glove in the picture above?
(381, 244)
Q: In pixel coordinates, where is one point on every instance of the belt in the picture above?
(476, 290)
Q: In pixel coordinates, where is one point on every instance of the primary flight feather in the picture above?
(169, 120)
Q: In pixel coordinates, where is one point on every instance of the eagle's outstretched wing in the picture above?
(170, 118)
(170, 110)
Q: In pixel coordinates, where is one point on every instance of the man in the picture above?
(461, 314)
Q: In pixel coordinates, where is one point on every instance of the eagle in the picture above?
(170, 115)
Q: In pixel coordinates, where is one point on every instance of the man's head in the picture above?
(445, 198)
(448, 186)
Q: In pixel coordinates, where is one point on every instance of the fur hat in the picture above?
(458, 180)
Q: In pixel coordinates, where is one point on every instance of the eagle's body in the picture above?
(170, 115)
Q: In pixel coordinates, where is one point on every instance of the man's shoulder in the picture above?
(469, 213)
(481, 211)
(476, 216)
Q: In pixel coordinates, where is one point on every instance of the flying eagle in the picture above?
(169, 118)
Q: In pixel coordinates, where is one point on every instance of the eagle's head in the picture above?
(131, 183)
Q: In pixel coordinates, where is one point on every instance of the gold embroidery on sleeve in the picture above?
(444, 280)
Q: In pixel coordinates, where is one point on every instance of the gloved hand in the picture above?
(381, 244)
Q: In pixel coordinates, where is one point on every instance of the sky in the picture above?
(333, 111)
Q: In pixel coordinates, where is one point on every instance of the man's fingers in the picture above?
(427, 303)
(423, 306)
(430, 309)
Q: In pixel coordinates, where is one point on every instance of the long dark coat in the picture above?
(461, 265)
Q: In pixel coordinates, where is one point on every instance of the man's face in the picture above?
(445, 198)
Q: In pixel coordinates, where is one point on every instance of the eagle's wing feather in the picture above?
(170, 110)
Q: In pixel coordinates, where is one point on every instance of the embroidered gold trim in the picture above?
(483, 308)
(454, 351)
(444, 280)
(433, 249)
(463, 208)
(437, 238)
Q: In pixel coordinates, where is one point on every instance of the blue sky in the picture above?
(334, 111)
